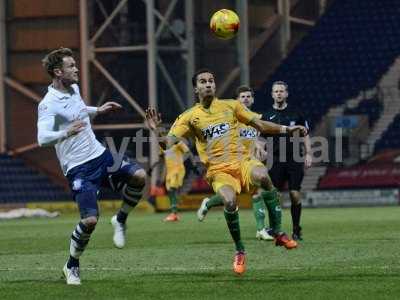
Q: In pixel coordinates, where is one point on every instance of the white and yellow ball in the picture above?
(225, 24)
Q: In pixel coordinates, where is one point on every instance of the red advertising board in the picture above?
(364, 176)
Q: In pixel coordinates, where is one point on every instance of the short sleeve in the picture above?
(303, 121)
(243, 114)
(181, 126)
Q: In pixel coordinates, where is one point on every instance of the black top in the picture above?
(289, 116)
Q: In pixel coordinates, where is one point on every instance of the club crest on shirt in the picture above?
(248, 133)
(42, 107)
(215, 131)
(77, 184)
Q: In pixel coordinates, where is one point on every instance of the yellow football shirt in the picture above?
(248, 137)
(174, 156)
(215, 131)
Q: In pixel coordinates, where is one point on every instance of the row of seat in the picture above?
(369, 107)
(391, 137)
(348, 51)
(20, 183)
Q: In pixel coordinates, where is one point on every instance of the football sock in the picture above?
(130, 196)
(271, 201)
(232, 220)
(173, 200)
(215, 200)
(259, 212)
(72, 262)
(79, 239)
(295, 210)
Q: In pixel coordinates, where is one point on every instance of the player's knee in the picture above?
(138, 179)
(90, 222)
(230, 202)
(259, 174)
(264, 178)
(230, 206)
(295, 197)
(229, 195)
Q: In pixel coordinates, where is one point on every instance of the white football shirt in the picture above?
(56, 112)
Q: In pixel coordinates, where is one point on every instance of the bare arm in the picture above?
(308, 156)
(266, 127)
(153, 122)
(105, 108)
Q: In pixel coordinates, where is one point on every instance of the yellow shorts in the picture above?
(238, 175)
(174, 178)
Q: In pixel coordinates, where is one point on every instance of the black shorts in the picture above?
(291, 172)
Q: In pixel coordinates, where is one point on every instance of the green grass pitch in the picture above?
(348, 253)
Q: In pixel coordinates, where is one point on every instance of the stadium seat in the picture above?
(391, 137)
(20, 183)
(339, 58)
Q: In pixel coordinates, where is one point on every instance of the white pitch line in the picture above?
(199, 269)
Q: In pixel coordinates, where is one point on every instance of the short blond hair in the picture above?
(280, 82)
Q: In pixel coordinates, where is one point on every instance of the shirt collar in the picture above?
(279, 108)
(207, 109)
(60, 95)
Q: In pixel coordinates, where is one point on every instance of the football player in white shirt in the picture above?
(64, 121)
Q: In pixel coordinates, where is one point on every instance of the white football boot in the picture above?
(119, 232)
(71, 275)
(203, 210)
(264, 235)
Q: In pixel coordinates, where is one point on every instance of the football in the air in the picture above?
(225, 24)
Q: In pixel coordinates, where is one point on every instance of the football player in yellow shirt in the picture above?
(175, 173)
(248, 138)
(212, 123)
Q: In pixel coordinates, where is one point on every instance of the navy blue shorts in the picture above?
(85, 180)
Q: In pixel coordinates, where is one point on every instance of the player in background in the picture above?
(64, 122)
(175, 173)
(248, 137)
(212, 123)
(289, 170)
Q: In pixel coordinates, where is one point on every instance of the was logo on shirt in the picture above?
(248, 133)
(215, 131)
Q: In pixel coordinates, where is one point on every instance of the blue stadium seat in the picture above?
(349, 50)
(391, 137)
(372, 108)
(20, 183)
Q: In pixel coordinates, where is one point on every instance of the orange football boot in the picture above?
(172, 217)
(239, 263)
(282, 239)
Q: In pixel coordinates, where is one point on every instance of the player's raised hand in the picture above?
(297, 128)
(75, 128)
(109, 107)
(153, 119)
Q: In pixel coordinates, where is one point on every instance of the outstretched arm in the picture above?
(250, 118)
(266, 127)
(153, 122)
(308, 155)
(105, 108)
